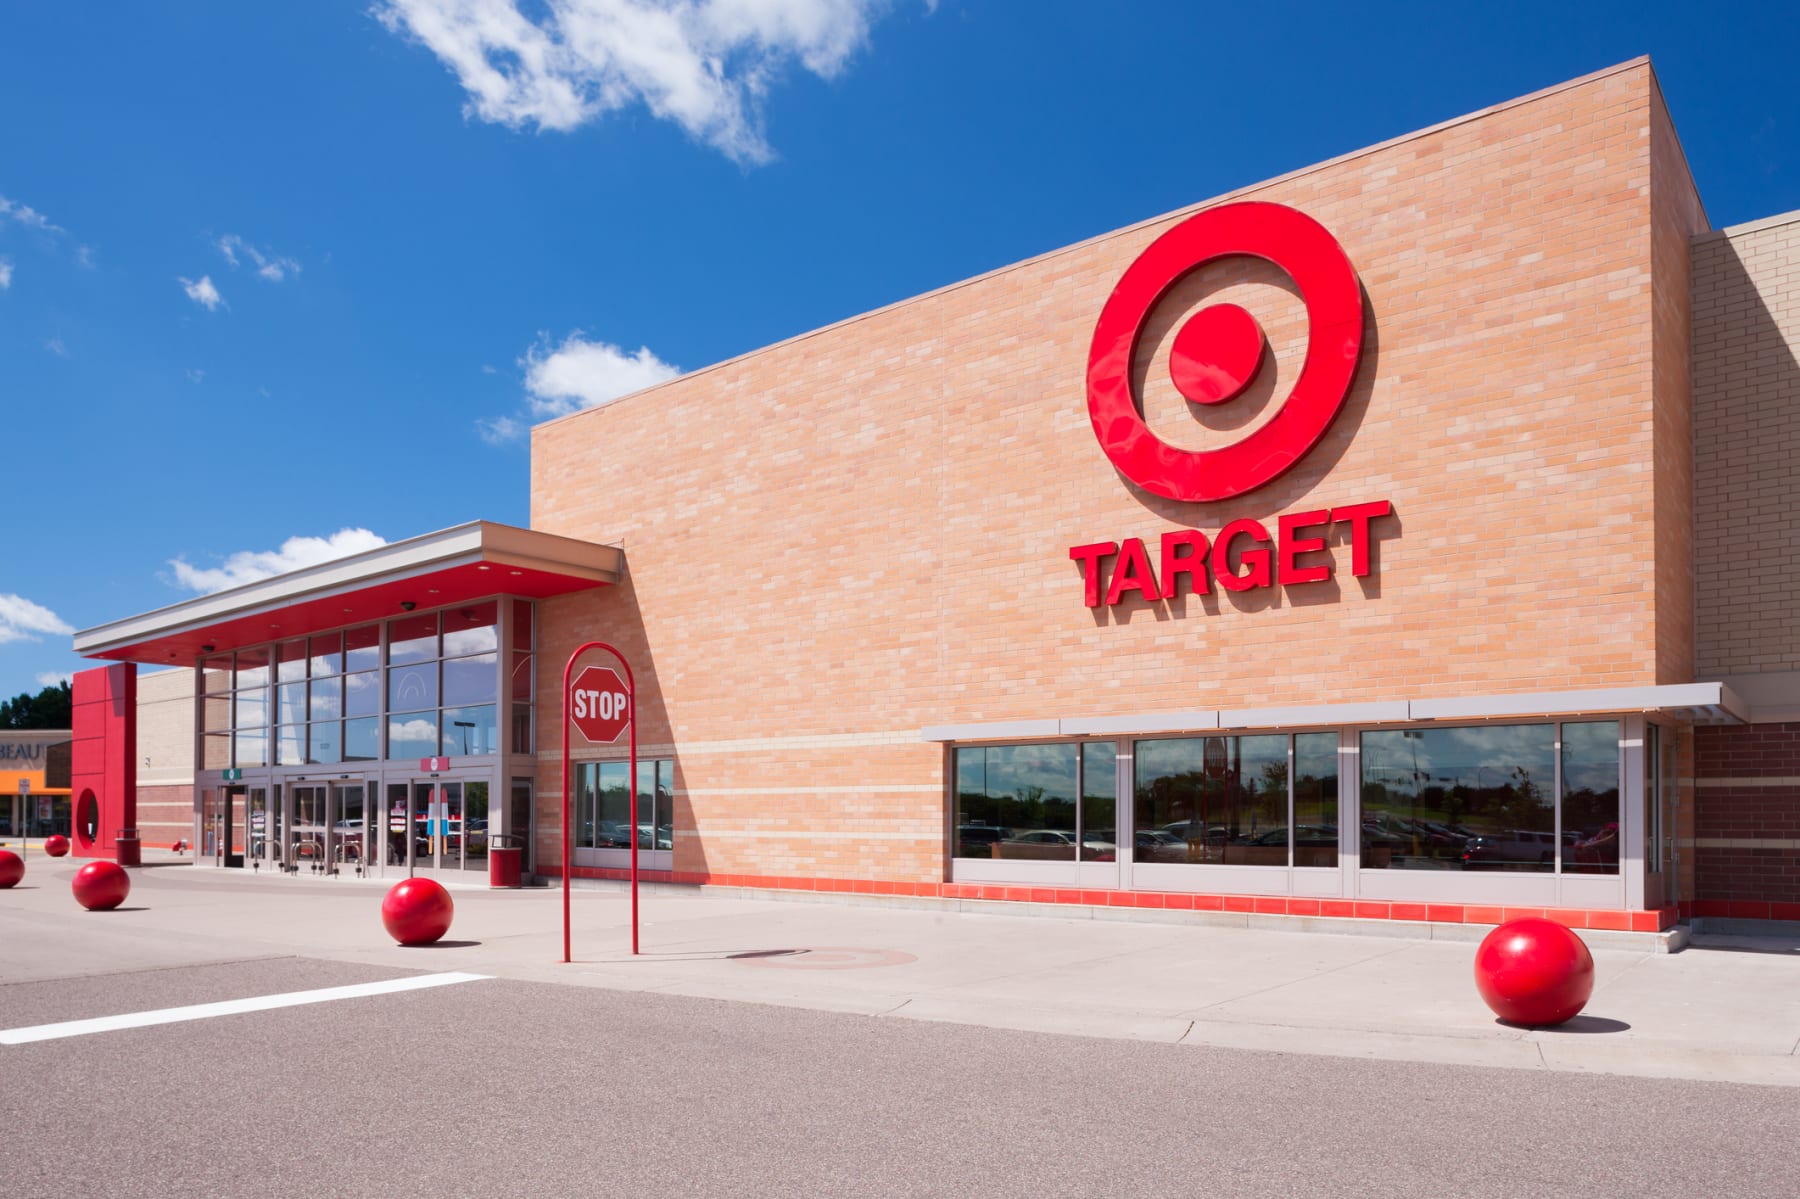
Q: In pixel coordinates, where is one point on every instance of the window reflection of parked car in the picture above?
(1056, 845)
(978, 840)
(1598, 852)
(1513, 847)
(1189, 830)
(1155, 838)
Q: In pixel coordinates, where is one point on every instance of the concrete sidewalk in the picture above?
(1727, 1009)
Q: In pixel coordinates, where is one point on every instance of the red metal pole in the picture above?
(631, 690)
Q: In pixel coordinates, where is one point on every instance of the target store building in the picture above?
(1402, 538)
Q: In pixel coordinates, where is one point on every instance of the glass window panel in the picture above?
(413, 736)
(252, 748)
(475, 826)
(215, 674)
(252, 667)
(290, 703)
(362, 693)
(470, 731)
(412, 639)
(324, 742)
(1099, 801)
(471, 630)
(978, 830)
(521, 678)
(1590, 795)
(1473, 798)
(521, 729)
(522, 617)
(362, 648)
(411, 688)
(252, 708)
(613, 827)
(586, 785)
(215, 713)
(471, 680)
(1023, 806)
(326, 655)
(665, 803)
(362, 740)
(290, 660)
(327, 699)
(1316, 799)
(290, 745)
(1213, 799)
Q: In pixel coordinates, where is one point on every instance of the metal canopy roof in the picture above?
(451, 566)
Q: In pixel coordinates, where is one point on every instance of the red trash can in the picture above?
(128, 850)
(503, 866)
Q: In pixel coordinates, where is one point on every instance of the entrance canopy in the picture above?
(448, 567)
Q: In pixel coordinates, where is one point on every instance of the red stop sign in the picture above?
(599, 704)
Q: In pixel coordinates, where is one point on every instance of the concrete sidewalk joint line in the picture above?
(229, 1007)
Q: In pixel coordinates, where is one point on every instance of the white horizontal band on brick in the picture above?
(1746, 842)
(229, 1007)
(748, 745)
(1772, 780)
(856, 789)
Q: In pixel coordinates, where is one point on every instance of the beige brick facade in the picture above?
(1746, 444)
(864, 530)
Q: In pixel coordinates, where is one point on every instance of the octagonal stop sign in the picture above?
(599, 704)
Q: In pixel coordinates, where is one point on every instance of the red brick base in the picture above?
(1272, 905)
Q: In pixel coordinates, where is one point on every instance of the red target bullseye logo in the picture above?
(1218, 351)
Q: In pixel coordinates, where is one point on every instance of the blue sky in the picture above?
(282, 279)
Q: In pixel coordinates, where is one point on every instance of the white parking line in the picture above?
(230, 1007)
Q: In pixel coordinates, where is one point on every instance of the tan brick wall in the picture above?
(844, 537)
(1746, 443)
(1676, 215)
(165, 761)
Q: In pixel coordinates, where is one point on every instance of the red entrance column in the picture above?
(103, 757)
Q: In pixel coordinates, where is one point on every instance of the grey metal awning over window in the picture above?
(1699, 703)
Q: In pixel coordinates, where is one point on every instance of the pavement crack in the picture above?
(895, 1008)
(1186, 1031)
(1542, 1060)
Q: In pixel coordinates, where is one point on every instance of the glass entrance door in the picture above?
(305, 848)
(349, 829)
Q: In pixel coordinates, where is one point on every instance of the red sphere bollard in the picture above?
(417, 911)
(12, 869)
(101, 886)
(56, 845)
(1534, 971)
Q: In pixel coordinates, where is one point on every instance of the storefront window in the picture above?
(603, 805)
(413, 735)
(1316, 799)
(1480, 798)
(1590, 797)
(1219, 800)
(469, 731)
(1016, 802)
(1099, 802)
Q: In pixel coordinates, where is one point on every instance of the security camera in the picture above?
(407, 605)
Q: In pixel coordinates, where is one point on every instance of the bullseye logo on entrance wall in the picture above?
(1219, 350)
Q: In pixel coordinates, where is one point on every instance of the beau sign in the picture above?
(600, 704)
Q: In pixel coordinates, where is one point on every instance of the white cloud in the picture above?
(296, 553)
(203, 292)
(20, 619)
(25, 215)
(586, 374)
(195, 375)
(271, 266)
(55, 346)
(5, 274)
(84, 257)
(500, 430)
(704, 64)
(54, 678)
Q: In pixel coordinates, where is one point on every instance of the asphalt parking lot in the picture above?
(776, 1049)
